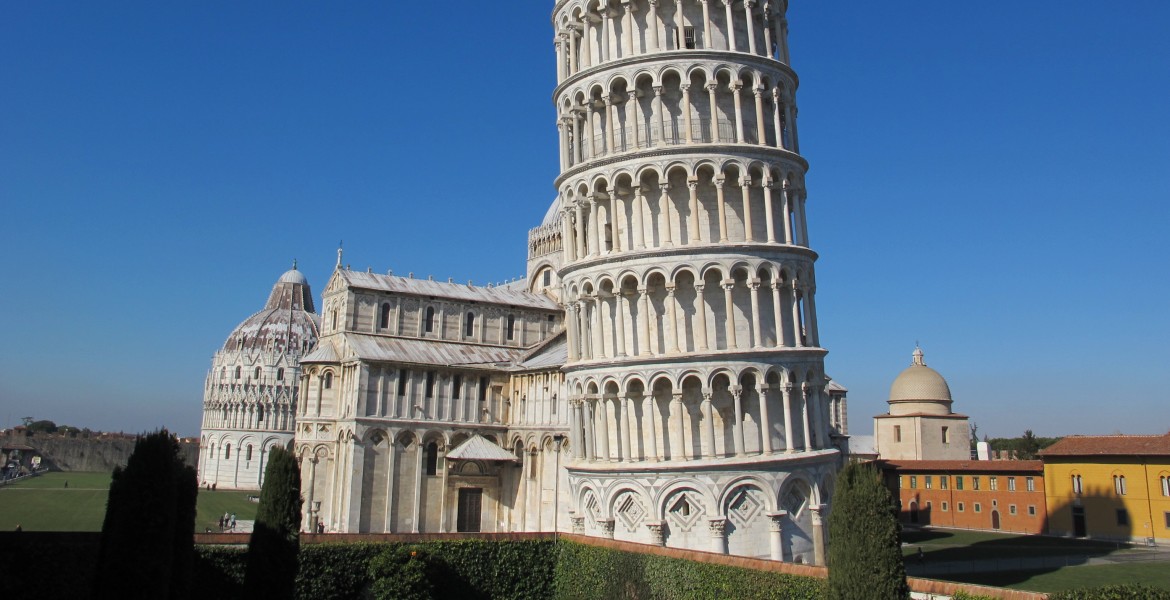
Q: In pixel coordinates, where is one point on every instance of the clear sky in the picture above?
(991, 179)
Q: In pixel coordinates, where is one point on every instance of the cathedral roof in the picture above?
(478, 447)
(381, 348)
(516, 295)
(286, 323)
(920, 383)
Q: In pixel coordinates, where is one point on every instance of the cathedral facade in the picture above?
(658, 377)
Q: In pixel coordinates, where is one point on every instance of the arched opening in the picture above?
(429, 320)
(384, 317)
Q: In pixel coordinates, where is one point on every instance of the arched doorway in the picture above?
(914, 513)
(995, 520)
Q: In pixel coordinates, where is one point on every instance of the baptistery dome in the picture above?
(287, 321)
(920, 389)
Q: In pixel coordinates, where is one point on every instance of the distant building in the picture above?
(249, 399)
(1001, 495)
(1114, 487)
(920, 424)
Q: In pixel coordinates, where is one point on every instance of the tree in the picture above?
(865, 554)
(148, 542)
(275, 543)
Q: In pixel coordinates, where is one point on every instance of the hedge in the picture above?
(586, 572)
(1113, 592)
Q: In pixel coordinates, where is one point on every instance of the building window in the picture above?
(943, 482)
(248, 452)
(511, 327)
(227, 451)
(1078, 489)
(333, 320)
(1165, 485)
(432, 459)
(430, 320)
(929, 481)
(994, 482)
(946, 435)
(256, 373)
(1011, 509)
(901, 484)
(1030, 483)
(384, 318)
(1122, 517)
(978, 507)
(430, 389)
(897, 433)
(929, 507)
(239, 372)
(1167, 515)
(1011, 484)
(975, 483)
(960, 507)
(457, 387)
(469, 325)
(1119, 484)
(690, 39)
(547, 278)
(944, 507)
(958, 482)
(402, 382)
(1031, 511)
(329, 380)
(280, 374)
(913, 482)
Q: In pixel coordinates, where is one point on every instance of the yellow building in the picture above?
(1113, 487)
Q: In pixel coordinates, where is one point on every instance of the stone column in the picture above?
(667, 213)
(738, 101)
(579, 224)
(621, 418)
(722, 209)
(660, 114)
(731, 45)
(707, 435)
(729, 305)
(680, 42)
(650, 421)
(786, 210)
(778, 314)
(782, 40)
(765, 420)
(789, 438)
(656, 531)
(761, 132)
(606, 33)
(419, 478)
(561, 42)
(776, 534)
(635, 108)
(746, 187)
(748, 5)
(767, 23)
(706, 24)
(620, 325)
(810, 339)
(652, 25)
(586, 42)
(788, 120)
(603, 415)
(610, 138)
(562, 143)
(818, 534)
(672, 312)
(628, 31)
(597, 347)
(794, 314)
(776, 119)
(737, 428)
(629, 427)
(711, 88)
(606, 528)
(639, 231)
(718, 530)
(686, 106)
(677, 452)
(813, 400)
(644, 345)
(591, 138)
(769, 212)
(808, 441)
(811, 304)
(754, 287)
(701, 312)
(693, 233)
(578, 141)
(590, 428)
(802, 217)
(594, 227)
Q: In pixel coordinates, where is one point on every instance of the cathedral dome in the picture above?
(287, 323)
(920, 388)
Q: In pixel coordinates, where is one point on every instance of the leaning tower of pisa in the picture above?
(701, 413)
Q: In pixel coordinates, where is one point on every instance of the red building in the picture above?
(991, 495)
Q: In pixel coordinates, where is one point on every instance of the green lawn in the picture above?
(45, 504)
(945, 545)
(1155, 574)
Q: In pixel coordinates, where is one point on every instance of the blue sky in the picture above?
(988, 178)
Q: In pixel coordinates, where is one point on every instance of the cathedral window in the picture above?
(946, 435)
(334, 320)
(430, 320)
(469, 325)
(259, 415)
(402, 382)
(239, 372)
(384, 318)
(483, 385)
(547, 278)
(511, 327)
(248, 452)
(897, 433)
(280, 374)
(457, 387)
(256, 373)
(328, 380)
(430, 384)
(432, 459)
(227, 451)
(690, 38)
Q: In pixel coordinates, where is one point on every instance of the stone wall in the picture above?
(87, 454)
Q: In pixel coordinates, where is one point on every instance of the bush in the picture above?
(405, 573)
(275, 544)
(1113, 592)
(865, 558)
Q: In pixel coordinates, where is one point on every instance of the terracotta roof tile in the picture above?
(971, 466)
(1110, 445)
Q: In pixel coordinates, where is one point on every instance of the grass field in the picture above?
(45, 504)
(945, 545)
(1155, 574)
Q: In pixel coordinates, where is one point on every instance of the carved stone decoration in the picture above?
(717, 526)
(578, 524)
(657, 532)
(607, 526)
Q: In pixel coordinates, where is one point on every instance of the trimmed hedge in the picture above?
(588, 572)
(1113, 592)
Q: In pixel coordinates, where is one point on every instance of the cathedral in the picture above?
(658, 376)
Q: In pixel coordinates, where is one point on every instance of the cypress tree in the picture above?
(865, 555)
(148, 541)
(275, 541)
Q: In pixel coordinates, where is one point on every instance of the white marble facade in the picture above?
(659, 375)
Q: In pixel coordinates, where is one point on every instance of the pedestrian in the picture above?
(921, 556)
(66, 484)
(320, 527)
(19, 528)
